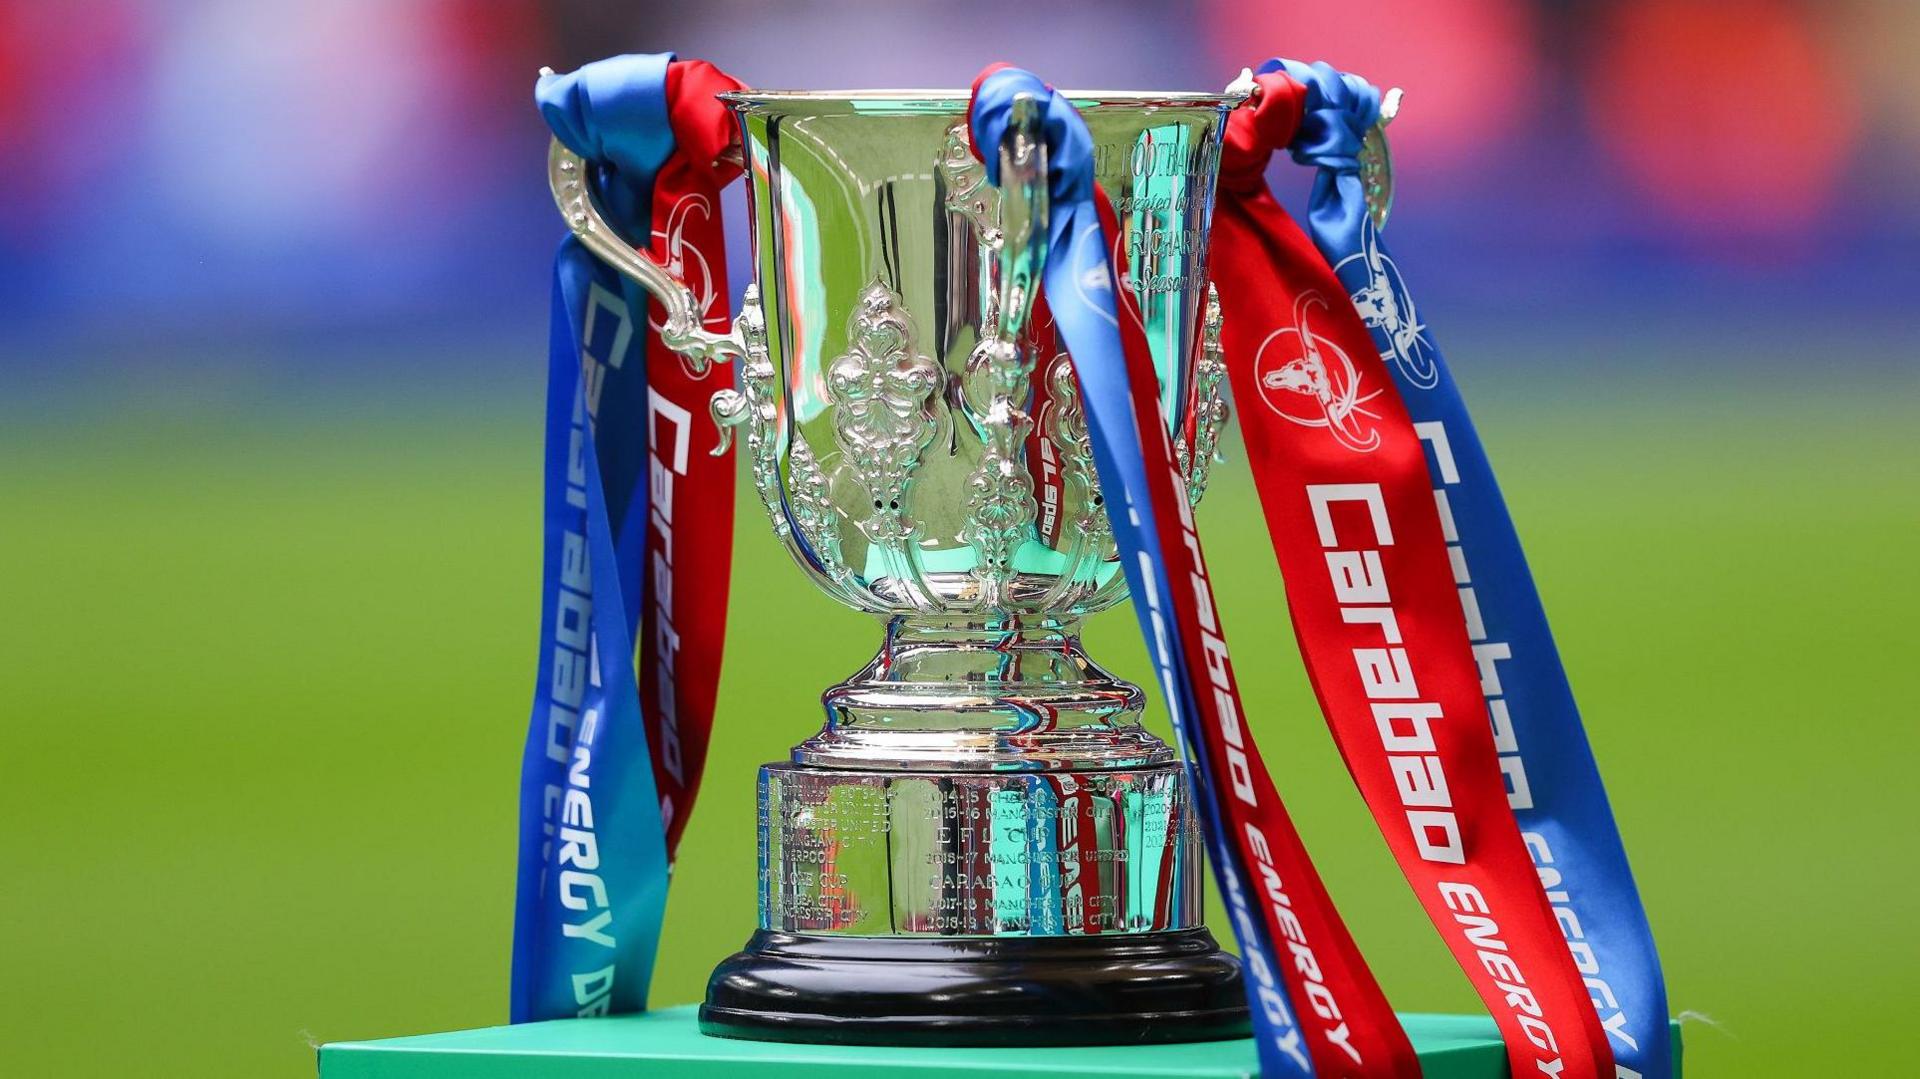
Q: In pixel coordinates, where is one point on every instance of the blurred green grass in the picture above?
(267, 673)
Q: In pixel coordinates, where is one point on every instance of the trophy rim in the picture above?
(909, 101)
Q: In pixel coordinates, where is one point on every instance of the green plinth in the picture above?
(667, 1045)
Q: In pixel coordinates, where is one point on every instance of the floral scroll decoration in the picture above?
(881, 388)
(1210, 410)
(753, 406)
(1067, 427)
(1000, 508)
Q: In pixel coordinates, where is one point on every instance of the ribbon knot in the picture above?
(1069, 146)
(639, 119)
(1256, 129)
(612, 112)
(704, 128)
(1338, 111)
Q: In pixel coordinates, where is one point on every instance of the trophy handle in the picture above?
(681, 331)
(1023, 216)
(1376, 161)
(1001, 508)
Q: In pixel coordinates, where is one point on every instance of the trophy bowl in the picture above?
(981, 845)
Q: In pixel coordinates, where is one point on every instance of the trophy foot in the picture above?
(978, 991)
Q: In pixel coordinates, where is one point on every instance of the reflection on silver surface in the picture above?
(1034, 853)
(925, 461)
(967, 511)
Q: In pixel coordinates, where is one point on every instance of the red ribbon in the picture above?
(1350, 1029)
(690, 536)
(1343, 481)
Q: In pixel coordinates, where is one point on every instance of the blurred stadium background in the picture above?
(273, 281)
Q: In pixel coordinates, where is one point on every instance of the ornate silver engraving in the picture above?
(968, 193)
(880, 389)
(1001, 509)
(813, 512)
(1209, 407)
(808, 504)
(753, 406)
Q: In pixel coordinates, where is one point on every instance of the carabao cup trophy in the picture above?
(981, 844)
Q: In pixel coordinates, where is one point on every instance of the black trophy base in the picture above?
(1092, 990)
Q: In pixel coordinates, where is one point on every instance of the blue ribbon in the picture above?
(1087, 321)
(593, 858)
(1553, 783)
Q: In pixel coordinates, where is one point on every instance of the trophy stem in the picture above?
(960, 694)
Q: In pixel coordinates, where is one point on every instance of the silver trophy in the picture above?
(981, 845)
